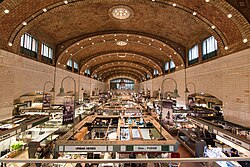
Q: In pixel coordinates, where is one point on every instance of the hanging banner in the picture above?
(46, 100)
(167, 112)
(68, 111)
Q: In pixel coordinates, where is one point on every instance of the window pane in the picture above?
(46, 51)
(28, 42)
(50, 53)
(193, 53)
(172, 65)
(209, 45)
(75, 65)
(22, 38)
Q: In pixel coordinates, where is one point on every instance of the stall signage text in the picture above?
(5, 136)
(238, 142)
(85, 148)
(147, 148)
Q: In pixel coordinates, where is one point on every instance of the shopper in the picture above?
(39, 155)
(226, 153)
(78, 165)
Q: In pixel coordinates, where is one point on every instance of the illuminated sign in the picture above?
(85, 148)
(147, 148)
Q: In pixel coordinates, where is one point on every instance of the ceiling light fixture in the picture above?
(6, 11)
(44, 10)
(194, 13)
(229, 15)
(226, 48)
(121, 43)
(66, 51)
(78, 43)
(10, 44)
(24, 23)
(207, 0)
(213, 27)
(121, 12)
(122, 56)
(66, 2)
(174, 4)
(245, 40)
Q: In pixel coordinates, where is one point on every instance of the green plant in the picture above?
(16, 146)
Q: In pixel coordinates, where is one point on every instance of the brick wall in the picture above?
(21, 75)
(227, 78)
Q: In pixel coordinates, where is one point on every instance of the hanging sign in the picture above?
(68, 111)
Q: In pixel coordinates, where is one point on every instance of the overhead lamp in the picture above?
(213, 27)
(229, 15)
(66, 2)
(226, 48)
(245, 40)
(62, 93)
(10, 44)
(6, 11)
(44, 10)
(176, 94)
(194, 13)
(52, 89)
(24, 23)
(174, 4)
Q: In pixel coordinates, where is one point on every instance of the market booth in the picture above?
(13, 138)
(106, 137)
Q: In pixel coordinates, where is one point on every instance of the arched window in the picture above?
(167, 67)
(95, 76)
(156, 72)
(209, 48)
(193, 55)
(29, 45)
(172, 66)
(87, 72)
(76, 67)
(69, 64)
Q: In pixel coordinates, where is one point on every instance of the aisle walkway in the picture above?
(186, 154)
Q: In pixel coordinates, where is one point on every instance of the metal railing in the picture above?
(151, 160)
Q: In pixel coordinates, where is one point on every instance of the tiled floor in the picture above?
(186, 154)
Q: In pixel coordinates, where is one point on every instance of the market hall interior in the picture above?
(200, 41)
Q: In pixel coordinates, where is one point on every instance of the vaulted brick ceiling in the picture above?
(156, 32)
